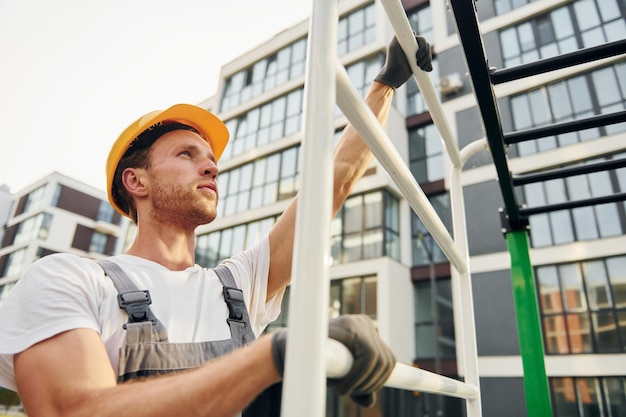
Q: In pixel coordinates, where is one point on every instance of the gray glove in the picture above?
(396, 70)
(373, 360)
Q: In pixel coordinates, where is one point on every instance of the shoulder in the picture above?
(63, 270)
(62, 258)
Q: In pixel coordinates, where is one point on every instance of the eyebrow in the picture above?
(196, 148)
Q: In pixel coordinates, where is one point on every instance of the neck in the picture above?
(170, 247)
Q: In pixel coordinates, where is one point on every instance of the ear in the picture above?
(135, 181)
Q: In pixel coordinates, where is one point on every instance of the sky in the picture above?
(75, 73)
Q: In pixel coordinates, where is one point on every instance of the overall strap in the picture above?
(238, 319)
(142, 324)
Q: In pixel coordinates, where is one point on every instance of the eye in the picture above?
(185, 153)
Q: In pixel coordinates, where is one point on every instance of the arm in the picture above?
(70, 375)
(350, 160)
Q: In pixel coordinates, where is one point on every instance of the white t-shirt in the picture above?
(61, 292)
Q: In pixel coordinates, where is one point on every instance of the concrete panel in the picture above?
(494, 312)
(503, 397)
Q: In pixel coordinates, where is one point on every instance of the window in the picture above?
(426, 154)
(36, 227)
(580, 24)
(98, 243)
(16, 263)
(356, 29)
(105, 212)
(422, 23)
(425, 250)
(583, 306)
(414, 98)
(214, 247)
(596, 92)
(582, 223)
(434, 321)
(581, 397)
(363, 72)
(261, 182)
(353, 296)
(367, 226)
(503, 6)
(35, 200)
(262, 125)
(286, 64)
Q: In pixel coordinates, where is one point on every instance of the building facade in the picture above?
(52, 215)
(384, 261)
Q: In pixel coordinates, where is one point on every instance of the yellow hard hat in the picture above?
(208, 125)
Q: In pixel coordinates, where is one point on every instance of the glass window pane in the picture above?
(616, 267)
(562, 22)
(535, 195)
(373, 210)
(621, 321)
(259, 172)
(608, 220)
(606, 333)
(540, 230)
(589, 394)
(246, 177)
(334, 308)
(596, 280)
(353, 214)
(425, 341)
(510, 46)
(561, 226)
(351, 296)
(581, 97)
(586, 14)
(288, 163)
(371, 297)
(549, 291)
(526, 36)
(615, 394)
(578, 326)
(352, 247)
(372, 244)
(564, 391)
(604, 80)
(573, 292)
(555, 334)
(239, 235)
(539, 107)
(233, 184)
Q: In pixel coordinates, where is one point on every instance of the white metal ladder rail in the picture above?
(310, 352)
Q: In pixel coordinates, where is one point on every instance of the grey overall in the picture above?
(147, 350)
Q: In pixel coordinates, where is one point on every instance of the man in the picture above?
(73, 330)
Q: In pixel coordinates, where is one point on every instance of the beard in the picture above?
(181, 205)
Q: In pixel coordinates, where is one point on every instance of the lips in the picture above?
(208, 186)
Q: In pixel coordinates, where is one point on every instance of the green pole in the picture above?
(529, 326)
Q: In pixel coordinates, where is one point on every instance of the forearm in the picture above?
(352, 156)
(222, 387)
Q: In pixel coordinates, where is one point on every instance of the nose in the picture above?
(210, 168)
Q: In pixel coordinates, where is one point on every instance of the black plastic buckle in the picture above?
(136, 305)
(236, 304)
